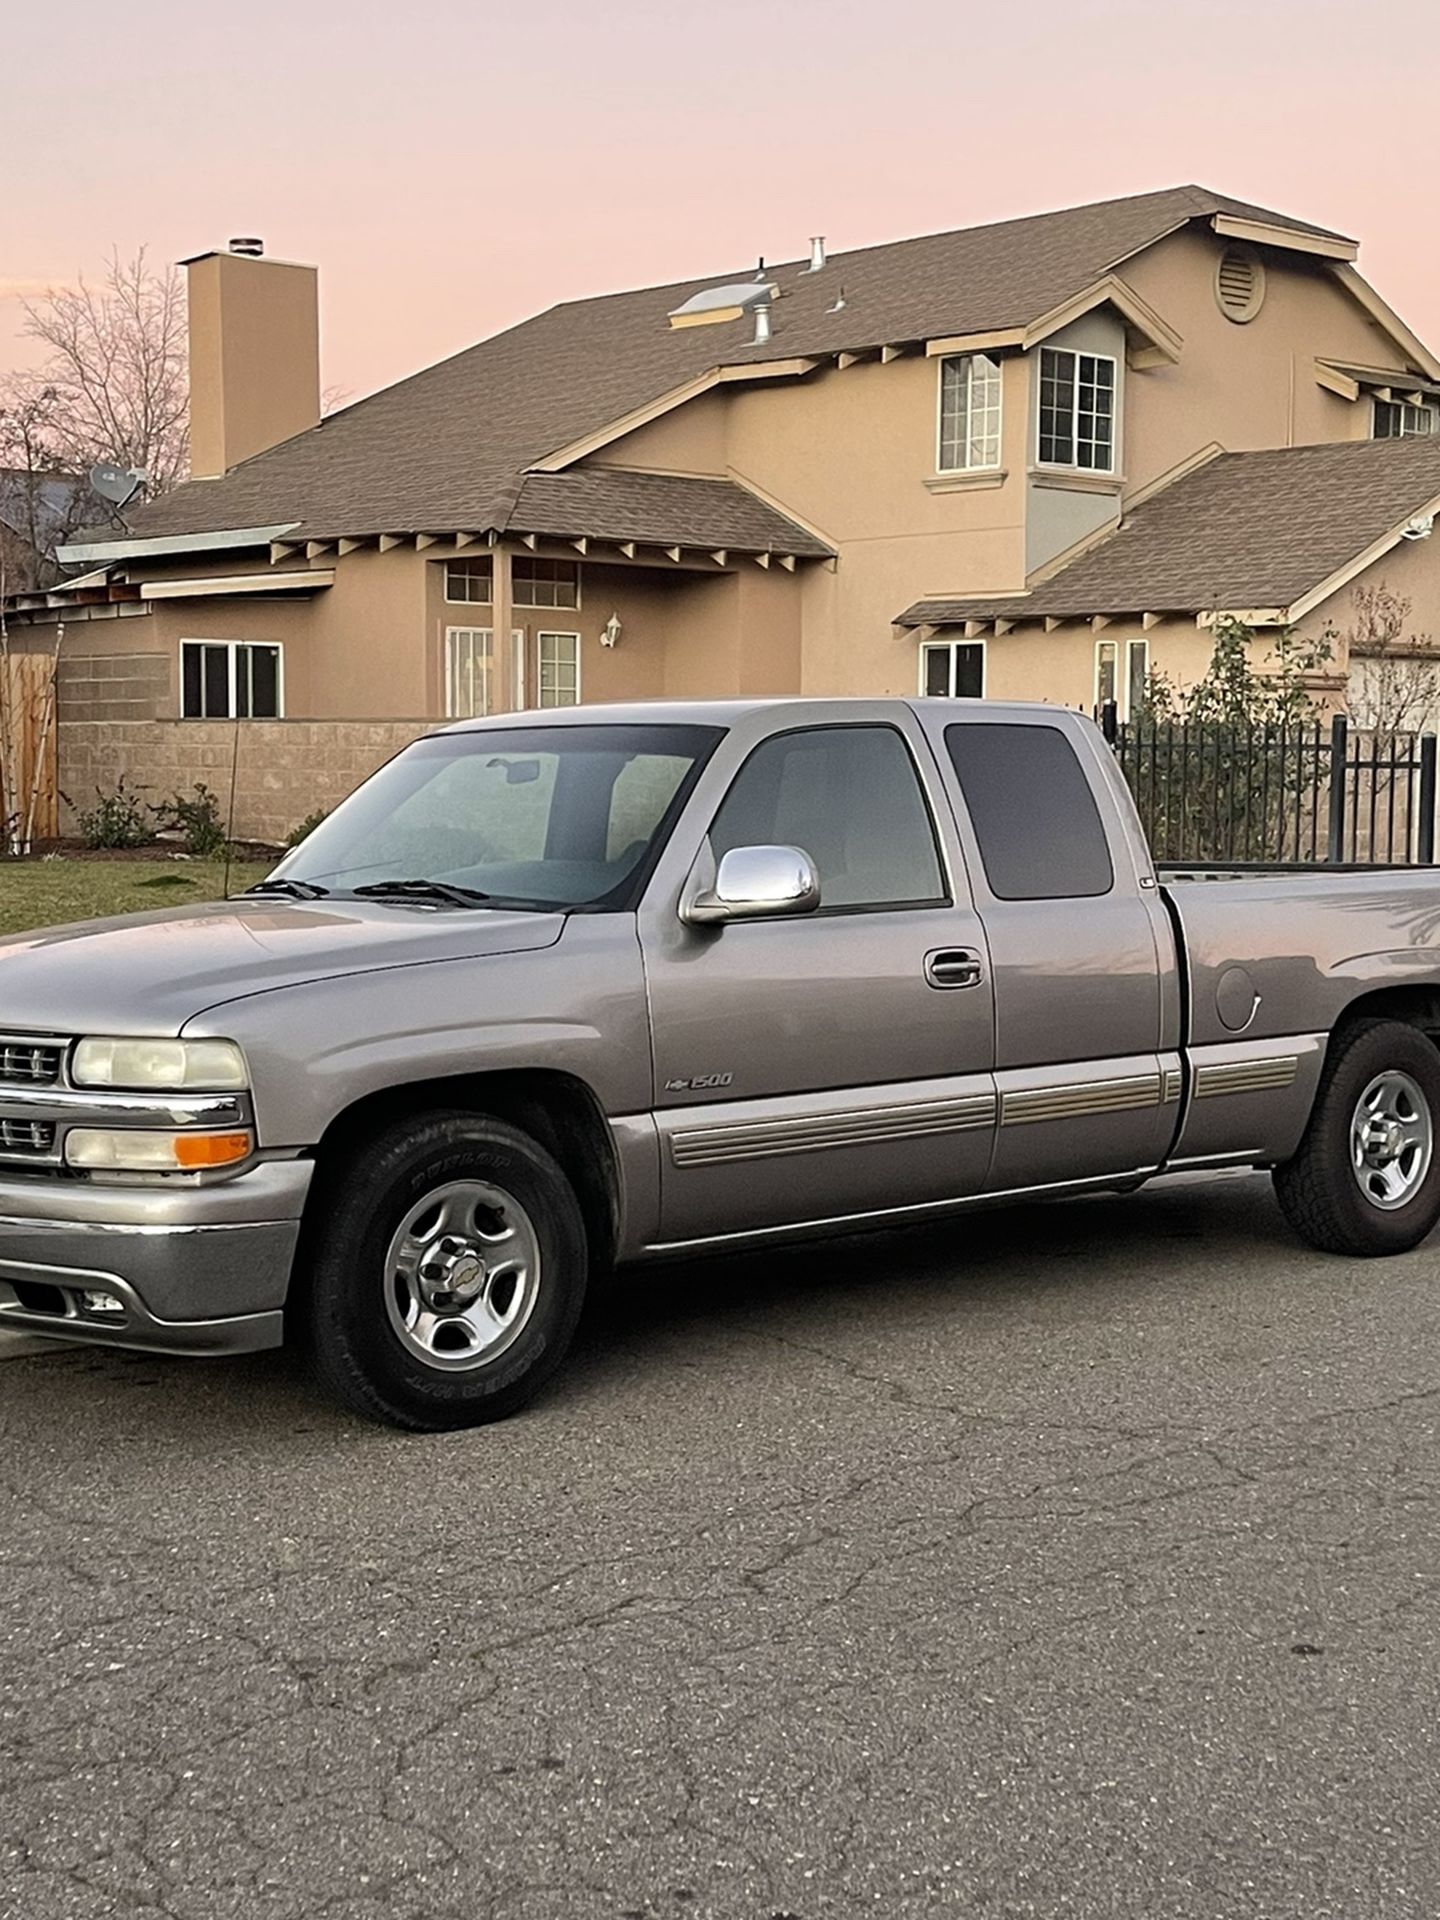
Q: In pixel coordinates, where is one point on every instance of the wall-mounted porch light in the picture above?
(610, 632)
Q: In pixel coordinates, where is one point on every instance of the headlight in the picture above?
(173, 1066)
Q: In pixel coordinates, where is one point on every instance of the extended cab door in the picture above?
(1086, 983)
(836, 1064)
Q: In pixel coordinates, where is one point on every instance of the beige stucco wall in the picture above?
(1250, 385)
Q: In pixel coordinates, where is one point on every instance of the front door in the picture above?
(836, 1064)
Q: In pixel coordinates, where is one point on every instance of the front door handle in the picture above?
(954, 967)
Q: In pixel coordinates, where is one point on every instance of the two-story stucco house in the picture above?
(1034, 459)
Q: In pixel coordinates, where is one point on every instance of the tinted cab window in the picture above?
(851, 799)
(1040, 833)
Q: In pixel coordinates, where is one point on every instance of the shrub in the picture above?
(307, 826)
(118, 818)
(196, 819)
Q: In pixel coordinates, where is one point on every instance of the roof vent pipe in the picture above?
(817, 252)
(762, 323)
(250, 247)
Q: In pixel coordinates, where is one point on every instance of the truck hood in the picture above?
(151, 972)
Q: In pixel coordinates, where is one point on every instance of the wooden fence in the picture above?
(29, 805)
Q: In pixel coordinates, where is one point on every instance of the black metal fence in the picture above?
(1301, 794)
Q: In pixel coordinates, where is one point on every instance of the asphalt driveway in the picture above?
(1080, 1560)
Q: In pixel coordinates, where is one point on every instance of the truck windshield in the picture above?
(538, 817)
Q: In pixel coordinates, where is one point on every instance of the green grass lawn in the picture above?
(47, 893)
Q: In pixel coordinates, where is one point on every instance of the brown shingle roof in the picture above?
(1246, 530)
(447, 447)
(656, 507)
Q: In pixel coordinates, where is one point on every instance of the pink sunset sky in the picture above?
(453, 167)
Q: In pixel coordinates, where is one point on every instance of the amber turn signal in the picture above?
(211, 1149)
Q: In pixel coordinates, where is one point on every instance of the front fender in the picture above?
(315, 1050)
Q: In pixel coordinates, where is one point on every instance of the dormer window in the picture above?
(969, 412)
(1077, 410)
(1396, 418)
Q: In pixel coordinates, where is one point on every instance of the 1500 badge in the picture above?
(701, 1083)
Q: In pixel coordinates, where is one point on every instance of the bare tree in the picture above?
(1394, 673)
(114, 380)
(40, 506)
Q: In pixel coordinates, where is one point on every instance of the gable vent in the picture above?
(1240, 284)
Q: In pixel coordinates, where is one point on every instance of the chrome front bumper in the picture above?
(195, 1269)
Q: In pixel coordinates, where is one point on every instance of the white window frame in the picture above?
(952, 648)
(1077, 354)
(233, 648)
(467, 599)
(554, 633)
(1124, 651)
(968, 435)
(1406, 409)
(454, 710)
(540, 606)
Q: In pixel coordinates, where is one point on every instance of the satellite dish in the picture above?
(117, 484)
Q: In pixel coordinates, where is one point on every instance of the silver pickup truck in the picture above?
(556, 992)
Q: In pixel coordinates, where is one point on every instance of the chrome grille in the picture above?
(27, 1136)
(29, 1063)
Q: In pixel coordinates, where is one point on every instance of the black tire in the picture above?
(1319, 1190)
(356, 1341)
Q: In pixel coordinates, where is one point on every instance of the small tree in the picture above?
(1220, 769)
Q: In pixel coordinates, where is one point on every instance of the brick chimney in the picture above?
(254, 354)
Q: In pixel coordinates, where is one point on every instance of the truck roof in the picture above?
(726, 713)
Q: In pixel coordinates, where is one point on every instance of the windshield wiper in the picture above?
(421, 890)
(290, 889)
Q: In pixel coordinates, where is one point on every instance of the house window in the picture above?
(468, 676)
(953, 670)
(1077, 410)
(231, 680)
(1130, 698)
(545, 583)
(469, 582)
(969, 412)
(1137, 654)
(1106, 670)
(559, 661)
(1396, 418)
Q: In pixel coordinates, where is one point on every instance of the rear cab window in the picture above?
(1032, 809)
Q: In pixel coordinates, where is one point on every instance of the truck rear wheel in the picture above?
(449, 1274)
(1366, 1179)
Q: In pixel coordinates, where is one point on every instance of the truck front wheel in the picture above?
(1366, 1179)
(448, 1274)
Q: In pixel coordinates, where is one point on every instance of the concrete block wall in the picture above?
(113, 686)
(284, 769)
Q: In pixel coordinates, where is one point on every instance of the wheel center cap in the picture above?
(466, 1277)
(1384, 1141)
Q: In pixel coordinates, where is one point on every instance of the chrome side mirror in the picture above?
(755, 883)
